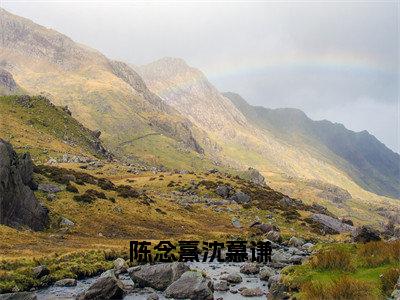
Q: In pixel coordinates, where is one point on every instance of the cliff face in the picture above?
(18, 205)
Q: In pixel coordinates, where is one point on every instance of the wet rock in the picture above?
(120, 266)
(40, 271)
(240, 197)
(153, 296)
(221, 286)
(252, 292)
(18, 296)
(18, 204)
(331, 225)
(274, 279)
(233, 278)
(296, 242)
(250, 268)
(107, 286)
(66, 282)
(191, 285)
(266, 273)
(158, 276)
(365, 234)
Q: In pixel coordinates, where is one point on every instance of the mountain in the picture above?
(103, 94)
(366, 160)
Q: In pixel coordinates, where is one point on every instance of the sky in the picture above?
(335, 60)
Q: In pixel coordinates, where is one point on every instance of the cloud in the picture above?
(316, 56)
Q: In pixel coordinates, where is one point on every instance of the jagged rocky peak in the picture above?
(18, 204)
(188, 90)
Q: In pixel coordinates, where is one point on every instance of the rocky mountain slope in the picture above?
(103, 94)
(366, 160)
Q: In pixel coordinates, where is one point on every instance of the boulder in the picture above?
(330, 224)
(18, 296)
(18, 204)
(158, 276)
(49, 188)
(365, 234)
(221, 286)
(266, 273)
(191, 285)
(252, 292)
(233, 278)
(223, 190)
(273, 236)
(296, 242)
(240, 197)
(120, 266)
(250, 268)
(307, 246)
(264, 228)
(107, 286)
(274, 279)
(66, 282)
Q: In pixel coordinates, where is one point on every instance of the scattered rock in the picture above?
(236, 223)
(240, 197)
(66, 282)
(252, 292)
(250, 268)
(107, 286)
(365, 234)
(274, 279)
(49, 188)
(278, 291)
(307, 246)
(191, 285)
(223, 191)
(66, 222)
(396, 293)
(158, 276)
(51, 197)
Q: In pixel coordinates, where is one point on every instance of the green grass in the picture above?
(324, 271)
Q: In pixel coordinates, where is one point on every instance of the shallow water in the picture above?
(214, 271)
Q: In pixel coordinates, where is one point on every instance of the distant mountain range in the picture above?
(167, 113)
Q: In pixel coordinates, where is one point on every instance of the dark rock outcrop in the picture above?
(18, 204)
(365, 234)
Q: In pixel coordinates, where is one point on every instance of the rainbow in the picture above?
(339, 62)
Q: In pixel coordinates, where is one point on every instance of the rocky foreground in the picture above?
(179, 280)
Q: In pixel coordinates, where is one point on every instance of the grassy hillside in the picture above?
(34, 124)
